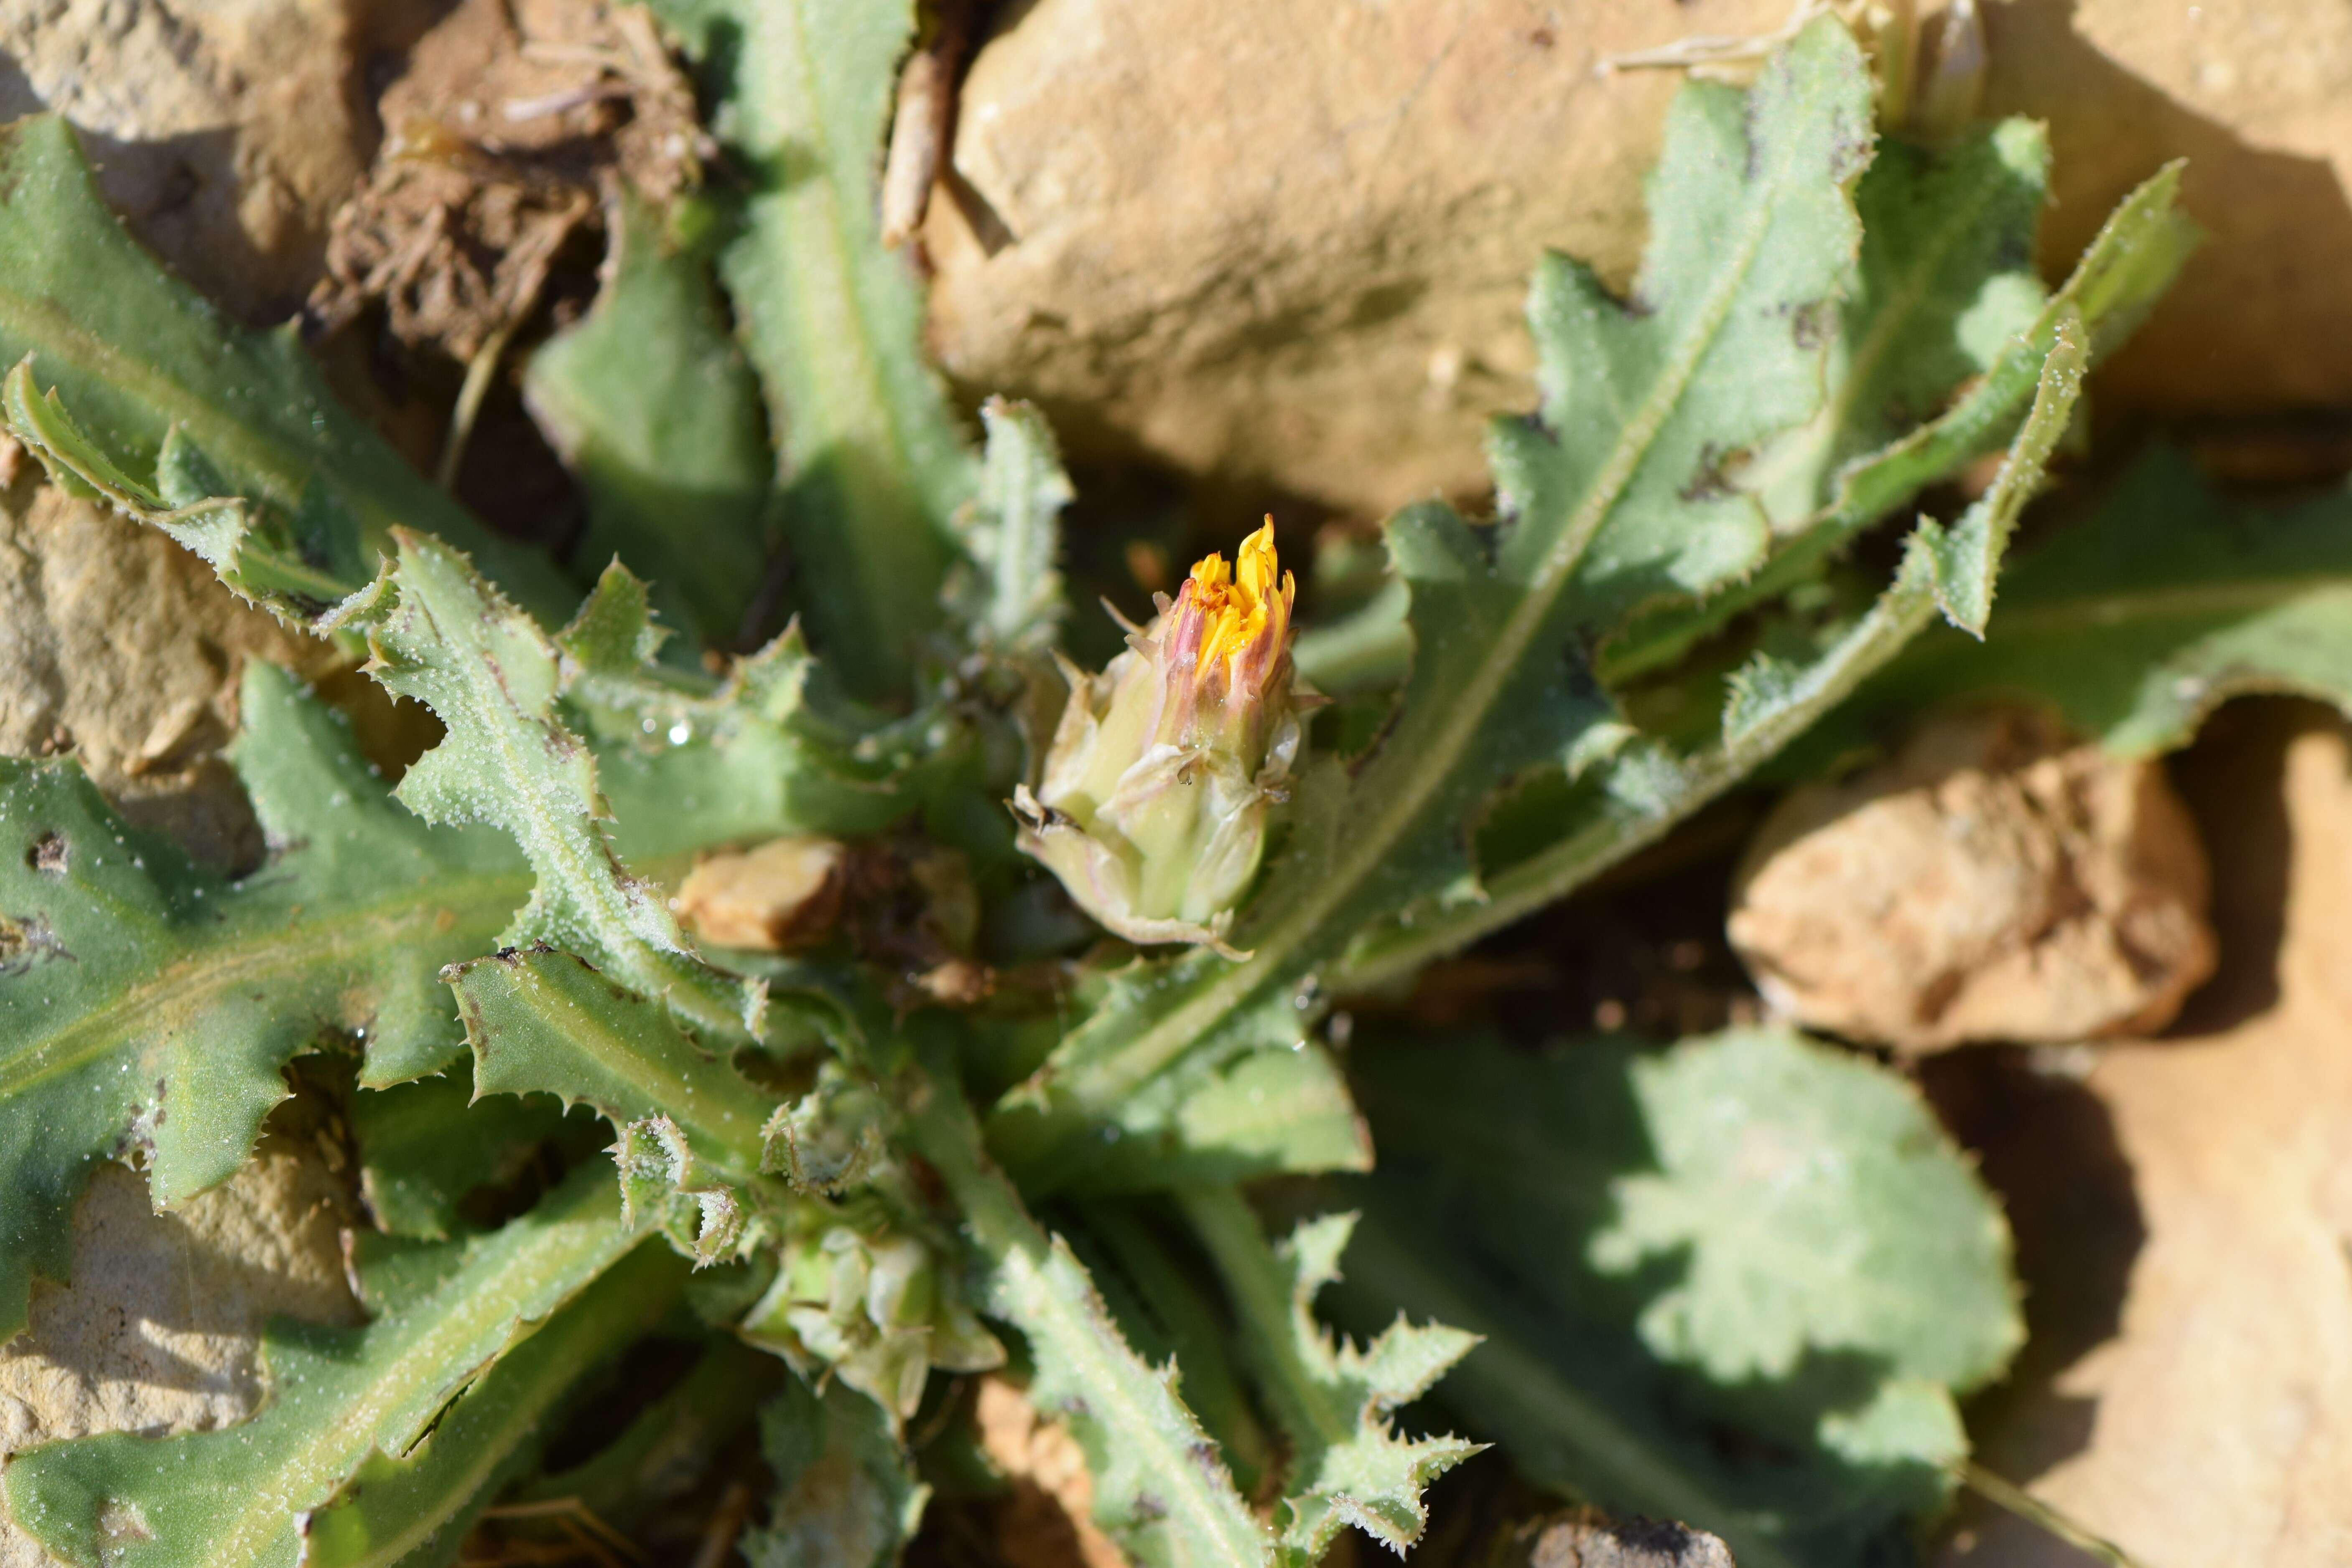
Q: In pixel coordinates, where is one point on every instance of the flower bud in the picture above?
(1152, 810)
(858, 1299)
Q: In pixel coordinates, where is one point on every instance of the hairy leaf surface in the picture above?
(148, 1004)
(1009, 594)
(2128, 265)
(441, 636)
(1639, 789)
(1158, 1488)
(413, 1511)
(1748, 1231)
(1615, 494)
(652, 404)
(543, 1021)
(774, 749)
(2138, 621)
(874, 467)
(144, 362)
(1348, 1465)
(237, 1497)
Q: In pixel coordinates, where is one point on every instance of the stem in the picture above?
(1558, 1434)
(1260, 1293)
(1591, 847)
(1198, 1338)
(1154, 1466)
(2014, 1499)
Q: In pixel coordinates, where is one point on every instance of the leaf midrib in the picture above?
(566, 1243)
(1161, 1042)
(669, 1090)
(241, 445)
(2203, 601)
(1905, 303)
(558, 845)
(286, 951)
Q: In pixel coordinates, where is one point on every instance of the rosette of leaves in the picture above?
(1824, 330)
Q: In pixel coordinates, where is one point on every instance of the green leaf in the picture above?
(1636, 790)
(147, 1003)
(1269, 1112)
(238, 1497)
(2140, 620)
(441, 636)
(874, 466)
(1614, 495)
(1946, 286)
(652, 404)
(1815, 1206)
(1347, 1465)
(425, 1146)
(1158, 1488)
(1748, 1233)
(1162, 1309)
(543, 1021)
(2128, 265)
(846, 1495)
(415, 1510)
(145, 362)
(773, 750)
(1010, 594)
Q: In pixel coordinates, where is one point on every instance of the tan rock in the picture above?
(226, 132)
(1047, 1521)
(2184, 1225)
(1281, 242)
(159, 1331)
(1985, 884)
(2257, 95)
(782, 895)
(1289, 242)
(1586, 1539)
(122, 648)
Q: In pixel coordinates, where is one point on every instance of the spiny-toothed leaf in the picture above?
(847, 1496)
(1617, 492)
(1163, 1308)
(257, 556)
(1946, 285)
(1158, 1488)
(1967, 557)
(1269, 1112)
(441, 635)
(1643, 788)
(1009, 594)
(238, 1497)
(543, 1021)
(1347, 1465)
(773, 749)
(146, 1003)
(2138, 621)
(1749, 1235)
(1813, 1206)
(653, 406)
(142, 359)
(413, 1511)
(2127, 268)
(875, 469)
(424, 1147)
